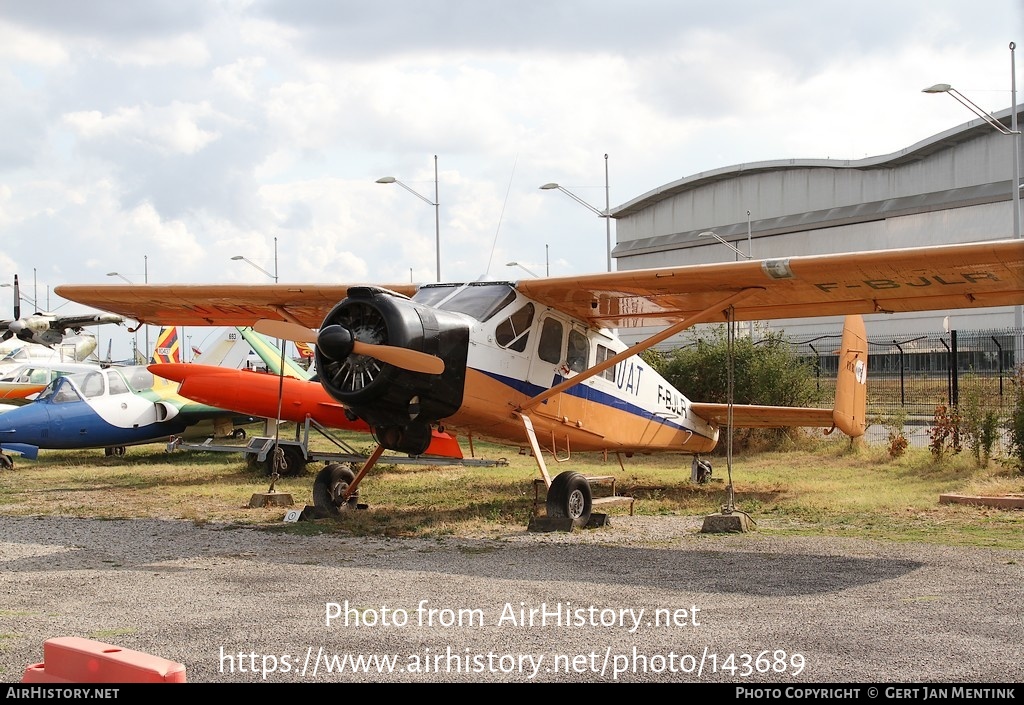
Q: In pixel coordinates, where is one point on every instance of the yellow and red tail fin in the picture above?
(850, 412)
(168, 347)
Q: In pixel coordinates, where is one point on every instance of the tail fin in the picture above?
(167, 347)
(850, 412)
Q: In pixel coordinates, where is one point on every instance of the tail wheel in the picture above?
(355, 372)
(569, 497)
(329, 488)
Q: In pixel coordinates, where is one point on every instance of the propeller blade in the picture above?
(412, 360)
(285, 330)
(17, 299)
(337, 342)
(338, 339)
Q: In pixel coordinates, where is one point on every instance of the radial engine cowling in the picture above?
(399, 405)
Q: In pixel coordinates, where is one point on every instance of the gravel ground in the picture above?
(244, 605)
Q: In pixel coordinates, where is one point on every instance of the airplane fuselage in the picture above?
(629, 407)
(99, 409)
(502, 350)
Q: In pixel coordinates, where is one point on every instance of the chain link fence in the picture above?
(917, 373)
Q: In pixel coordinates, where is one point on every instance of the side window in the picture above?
(92, 385)
(603, 354)
(578, 352)
(116, 384)
(550, 348)
(514, 331)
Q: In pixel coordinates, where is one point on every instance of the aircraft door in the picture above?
(549, 353)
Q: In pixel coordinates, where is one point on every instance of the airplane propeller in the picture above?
(338, 342)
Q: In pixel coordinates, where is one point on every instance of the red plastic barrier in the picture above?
(71, 659)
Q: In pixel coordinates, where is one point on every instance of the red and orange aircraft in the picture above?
(535, 361)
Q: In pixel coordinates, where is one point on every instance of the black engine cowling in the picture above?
(398, 404)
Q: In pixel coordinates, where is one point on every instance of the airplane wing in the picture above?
(220, 304)
(884, 281)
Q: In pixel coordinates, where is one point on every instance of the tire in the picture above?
(238, 433)
(294, 461)
(328, 487)
(569, 497)
(115, 450)
(6, 462)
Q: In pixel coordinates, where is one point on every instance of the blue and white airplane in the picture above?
(109, 408)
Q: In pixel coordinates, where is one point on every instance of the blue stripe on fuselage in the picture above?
(590, 394)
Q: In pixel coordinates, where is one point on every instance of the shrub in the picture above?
(767, 372)
(944, 432)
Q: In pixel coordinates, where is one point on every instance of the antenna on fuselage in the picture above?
(494, 244)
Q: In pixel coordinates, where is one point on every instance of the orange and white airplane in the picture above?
(535, 362)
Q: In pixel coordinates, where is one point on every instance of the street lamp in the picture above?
(606, 213)
(435, 203)
(712, 233)
(525, 269)
(253, 264)
(1015, 186)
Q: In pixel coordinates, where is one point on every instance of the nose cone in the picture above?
(26, 424)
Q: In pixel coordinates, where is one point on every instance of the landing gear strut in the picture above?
(700, 471)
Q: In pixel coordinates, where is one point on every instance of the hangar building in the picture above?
(952, 187)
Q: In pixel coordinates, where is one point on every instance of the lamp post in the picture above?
(1014, 132)
(437, 210)
(606, 213)
(524, 268)
(256, 266)
(145, 279)
(712, 233)
(747, 255)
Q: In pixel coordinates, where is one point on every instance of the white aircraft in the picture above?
(535, 363)
(48, 329)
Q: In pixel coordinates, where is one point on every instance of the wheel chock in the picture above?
(72, 659)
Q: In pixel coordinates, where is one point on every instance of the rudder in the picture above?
(850, 411)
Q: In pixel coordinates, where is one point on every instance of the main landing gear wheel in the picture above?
(329, 488)
(116, 450)
(6, 462)
(569, 497)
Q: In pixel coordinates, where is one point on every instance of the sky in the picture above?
(160, 139)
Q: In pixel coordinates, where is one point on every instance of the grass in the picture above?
(817, 487)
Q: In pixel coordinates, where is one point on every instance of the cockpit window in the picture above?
(514, 331)
(116, 384)
(60, 391)
(91, 384)
(140, 379)
(481, 301)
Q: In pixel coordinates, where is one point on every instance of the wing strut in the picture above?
(673, 329)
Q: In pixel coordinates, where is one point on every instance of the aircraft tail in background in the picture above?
(168, 345)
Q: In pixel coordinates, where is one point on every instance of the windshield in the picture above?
(60, 391)
(479, 300)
